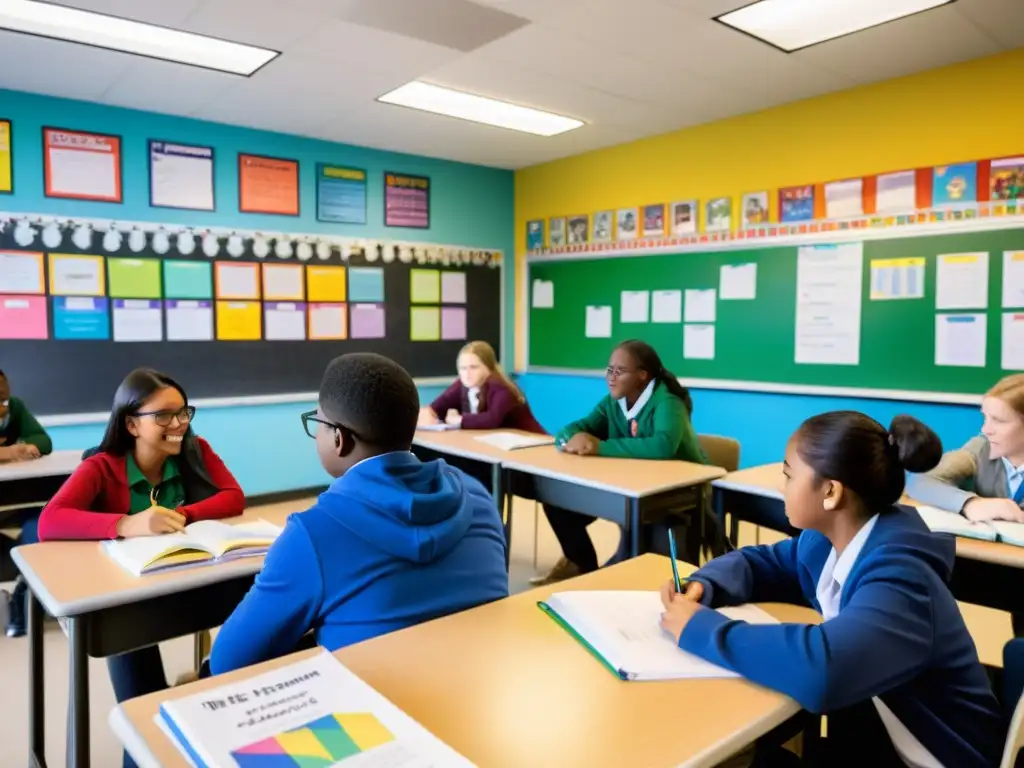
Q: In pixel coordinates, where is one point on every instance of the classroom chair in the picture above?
(1013, 702)
(723, 452)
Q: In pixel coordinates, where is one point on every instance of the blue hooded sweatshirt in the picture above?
(898, 635)
(393, 542)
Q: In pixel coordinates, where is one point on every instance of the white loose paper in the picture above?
(829, 282)
(189, 321)
(20, 273)
(961, 281)
(634, 307)
(279, 281)
(76, 276)
(699, 342)
(896, 192)
(453, 287)
(284, 322)
(700, 305)
(844, 199)
(960, 340)
(543, 294)
(181, 176)
(138, 320)
(667, 307)
(599, 322)
(237, 281)
(1013, 341)
(738, 282)
(1013, 279)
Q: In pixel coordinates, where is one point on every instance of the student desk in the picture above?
(504, 685)
(25, 483)
(986, 573)
(106, 611)
(620, 490)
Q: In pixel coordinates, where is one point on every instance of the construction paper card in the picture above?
(366, 321)
(189, 320)
(6, 164)
(283, 282)
(268, 185)
(21, 272)
(237, 281)
(453, 287)
(134, 278)
(328, 322)
(76, 275)
(425, 286)
(284, 321)
(138, 320)
(424, 323)
(23, 317)
(239, 321)
(327, 284)
(453, 323)
(188, 279)
(366, 284)
(81, 318)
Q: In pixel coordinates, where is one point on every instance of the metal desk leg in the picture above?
(37, 685)
(633, 515)
(499, 481)
(706, 549)
(78, 732)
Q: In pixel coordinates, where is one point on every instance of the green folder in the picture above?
(579, 639)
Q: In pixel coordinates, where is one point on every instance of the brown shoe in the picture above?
(564, 569)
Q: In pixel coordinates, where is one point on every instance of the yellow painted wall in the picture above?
(962, 112)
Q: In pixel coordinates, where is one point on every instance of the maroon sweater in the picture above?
(499, 408)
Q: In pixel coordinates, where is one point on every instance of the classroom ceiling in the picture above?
(628, 68)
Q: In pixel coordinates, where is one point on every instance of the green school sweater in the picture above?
(23, 427)
(663, 429)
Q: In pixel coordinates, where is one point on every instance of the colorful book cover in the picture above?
(579, 230)
(718, 216)
(684, 217)
(626, 224)
(556, 232)
(755, 209)
(1007, 178)
(321, 743)
(654, 220)
(954, 184)
(535, 235)
(602, 227)
(796, 203)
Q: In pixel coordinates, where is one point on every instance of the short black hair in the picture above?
(374, 397)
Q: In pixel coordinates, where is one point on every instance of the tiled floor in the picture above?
(990, 628)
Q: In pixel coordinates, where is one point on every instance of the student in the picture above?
(22, 438)
(646, 415)
(483, 397)
(151, 475)
(393, 542)
(892, 665)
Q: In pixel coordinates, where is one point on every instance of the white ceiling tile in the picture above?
(162, 86)
(707, 8)
(168, 14)
(537, 10)
(1002, 20)
(56, 68)
(264, 23)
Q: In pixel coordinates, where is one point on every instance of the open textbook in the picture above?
(940, 521)
(314, 712)
(623, 630)
(510, 441)
(200, 543)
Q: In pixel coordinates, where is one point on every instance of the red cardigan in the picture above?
(93, 500)
(499, 408)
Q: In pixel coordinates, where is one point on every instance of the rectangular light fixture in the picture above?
(59, 22)
(478, 109)
(794, 24)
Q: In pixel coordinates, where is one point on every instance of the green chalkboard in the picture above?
(756, 339)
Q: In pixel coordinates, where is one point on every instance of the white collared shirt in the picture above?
(371, 458)
(631, 413)
(1014, 476)
(474, 399)
(829, 593)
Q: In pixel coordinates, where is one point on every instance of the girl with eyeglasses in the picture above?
(150, 475)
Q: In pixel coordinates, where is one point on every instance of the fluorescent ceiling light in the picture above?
(62, 23)
(794, 24)
(478, 109)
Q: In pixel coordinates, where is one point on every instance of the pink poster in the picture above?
(453, 323)
(23, 317)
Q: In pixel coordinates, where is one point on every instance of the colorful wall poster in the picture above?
(754, 209)
(366, 285)
(453, 323)
(425, 323)
(82, 166)
(21, 272)
(138, 320)
(6, 157)
(340, 194)
(187, 279)
(626, 223)
(81, 318)
(328, 322)
(796, 203)
(556, 231)
(535, 235)
(237, 281)
(579, 230)
(134, 278)
(366, 321)
(189, 320)
(285, 282)
(603, 224)
(954, 184)
(284, 321)
(239, 321)
(654, 220)
(268, 185)
(325, 283)
(718, 215)
(425, 286)
(1006, 178)
(23, 317)
(76, 275)
(180, 176)
(897, 278)
(844, 199)
(896, 192)
(453, 287)
(406, 201)
(684, 217)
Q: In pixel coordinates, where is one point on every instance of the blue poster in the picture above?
(81, 318)
(366, 285)
(954, 184)
(535, 235)
(340, 194)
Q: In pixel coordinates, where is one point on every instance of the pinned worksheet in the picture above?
(284, 282)
(138, 320)
(634, 307)
(737, 282)
(543, 294)
(829, 283)
(961, 340)
(238, 281)
(76, 275)
(1013, 279)
(328, 321)
(699, 342)
(666, 306)
(700, 305)
(1013, 341)
(897, 278)
(962, 281)
(21, 272)
(284, 321)
(599, 322)
(189, 320)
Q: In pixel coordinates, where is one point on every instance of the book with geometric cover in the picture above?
(318, 744)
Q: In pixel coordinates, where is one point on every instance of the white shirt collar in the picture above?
(837, 570)
(1012, 472)
(378, 456)
(630, 413)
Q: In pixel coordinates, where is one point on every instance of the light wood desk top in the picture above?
(504, 685)
(464, 443)
(767, 481)
(635, 478)
(57, 464)
(75, 577)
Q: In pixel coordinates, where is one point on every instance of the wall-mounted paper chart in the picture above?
(406, 201)
(237, 281)
(23, 317)
(81, 318)
(284, 282)
(187, 279)
(76, 275)
(268, 185)
(598, 322)
(666, 307)
(189, 320)
(21, 272)
(543, 294)
(134, 278)
(962, 281)
(896, 192)
(180, 176)
(366, 321)
(366, 285)
(425, 286)
(699, 342)
(284, 321)
(961, 340)
(634, 306)
(897, 278)
(453, 323)
(326, 283)
(82, 166)
(138, 320)
(425, 323)
(737, 282)
(239, 321)
(340, 194)
(829, 282)
(453, 287)
(1013, 279)
(700, 305)
(1013, 341)
(328, 322)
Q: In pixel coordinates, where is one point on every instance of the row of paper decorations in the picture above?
(943, 193)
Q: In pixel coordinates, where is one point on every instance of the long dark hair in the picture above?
(867, 458)
(137, 387)
(647, 359)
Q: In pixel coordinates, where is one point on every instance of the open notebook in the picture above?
(202, 543)
(940, 521)
(510, 441)
(623, 630)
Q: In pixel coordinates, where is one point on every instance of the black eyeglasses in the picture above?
(164, 418)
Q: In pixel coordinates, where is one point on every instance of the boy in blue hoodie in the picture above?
(892, 665)
(393, 542)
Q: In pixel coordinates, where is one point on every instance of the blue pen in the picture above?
(672, 555)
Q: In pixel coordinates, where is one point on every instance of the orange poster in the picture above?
(82, 166)
(268, 185)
